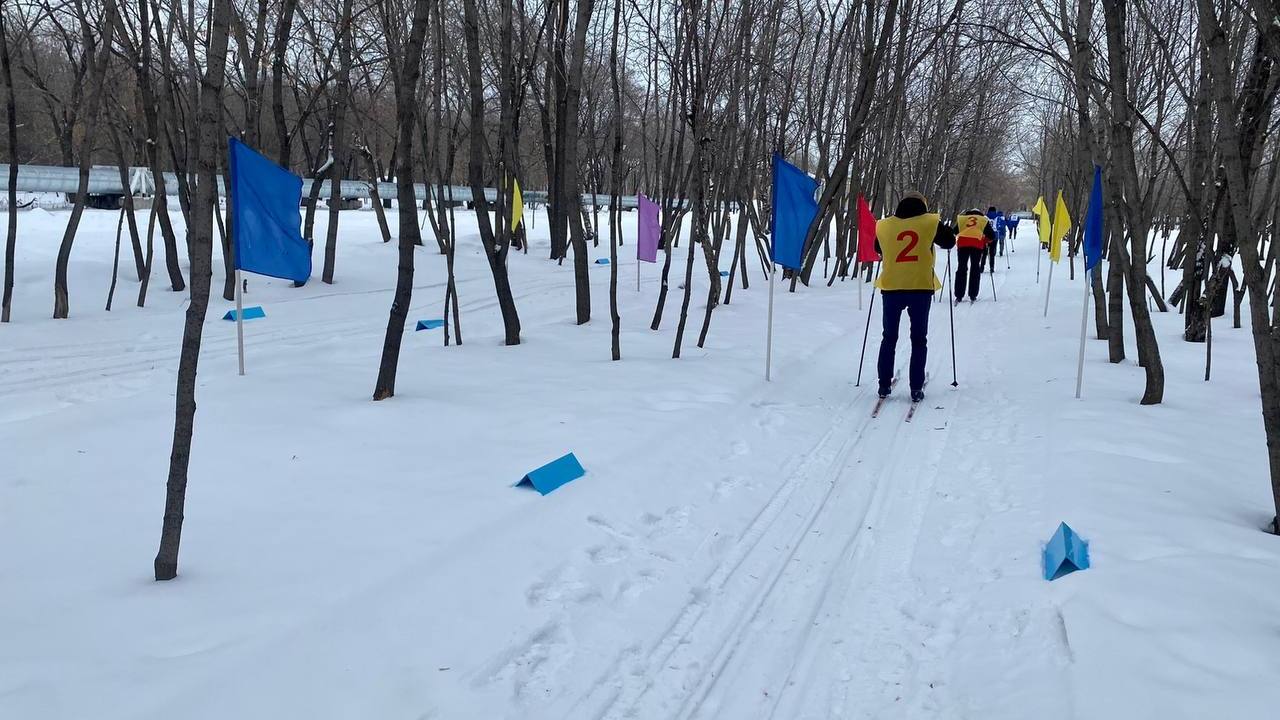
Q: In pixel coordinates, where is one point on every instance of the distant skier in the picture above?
(1011, 221)
(996, 219)
(975, 235)
(907, 282)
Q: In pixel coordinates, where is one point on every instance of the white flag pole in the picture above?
(1047, 288)
(1084, 321)
(240, 319)
(637, 269)
(768, 347)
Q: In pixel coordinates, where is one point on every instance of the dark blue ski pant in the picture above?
(916, 304)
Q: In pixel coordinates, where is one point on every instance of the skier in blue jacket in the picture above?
(996, 219)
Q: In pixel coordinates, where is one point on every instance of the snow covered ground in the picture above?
(737, 549)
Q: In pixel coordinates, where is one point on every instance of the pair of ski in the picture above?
(911, 412)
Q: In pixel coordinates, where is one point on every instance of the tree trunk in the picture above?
(374, 197)
(1115, 302)
(146, 278)
(11, 115)
(115, 263)
(61, 300)
(203, 210)
(284, 29)
(1132, 208)
(339, 124)
(570, 189)
(407, 72)
(126, 204)
(1244, 112)
(494, 239)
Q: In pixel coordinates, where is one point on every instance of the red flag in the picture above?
(866, 232)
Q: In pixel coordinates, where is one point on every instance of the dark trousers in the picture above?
(990, 256)
(1002, 245)
(916, 303)
(968, 267)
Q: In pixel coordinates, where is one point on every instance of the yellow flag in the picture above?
(1042, 220)
(517, 206)
(1061, 224)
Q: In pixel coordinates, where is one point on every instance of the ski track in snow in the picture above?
(83, 365)
(700, 666)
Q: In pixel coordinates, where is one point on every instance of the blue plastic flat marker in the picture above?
(724, 273)
(602, 261)
(553, 474)
(1065, 553)
(250, 313)
(429, 324)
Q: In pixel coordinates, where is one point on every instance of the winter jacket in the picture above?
(974, 230)
(911, 233)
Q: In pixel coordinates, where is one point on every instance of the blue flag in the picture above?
(793, 211)
(1093, 223)
(265, 216)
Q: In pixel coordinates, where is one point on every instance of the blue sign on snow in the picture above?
(250, 313)
(553, 474)
(429, 324)
(1065, 553)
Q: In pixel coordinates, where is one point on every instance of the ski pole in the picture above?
(993, 286)
(867, 331)
(951, 309)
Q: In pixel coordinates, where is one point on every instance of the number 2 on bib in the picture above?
(905, 255)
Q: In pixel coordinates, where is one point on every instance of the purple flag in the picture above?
(647, 238)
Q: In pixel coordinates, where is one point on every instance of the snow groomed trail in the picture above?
(737, 549)
(788, 622)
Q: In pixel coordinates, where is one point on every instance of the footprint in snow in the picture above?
(608, 554)
(608, 527)
(675, 518)
(727, 484)
(633, 587)
(561, 589)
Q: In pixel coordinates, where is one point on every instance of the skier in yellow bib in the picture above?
(907, 282)
(976, 235)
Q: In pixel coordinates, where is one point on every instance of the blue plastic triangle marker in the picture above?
(429, 324)
(553, 474)
(1065, 553)
(724, 273)
(250, 313)
(602, 261)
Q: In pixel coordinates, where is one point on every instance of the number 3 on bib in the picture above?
(905, 255)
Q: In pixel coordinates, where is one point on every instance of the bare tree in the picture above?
(61, 301)
(11, 126)
(408, 50)
(210, 144)
(1244, 95)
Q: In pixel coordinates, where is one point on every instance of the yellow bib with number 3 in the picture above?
(907, 247)
(972, 226)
